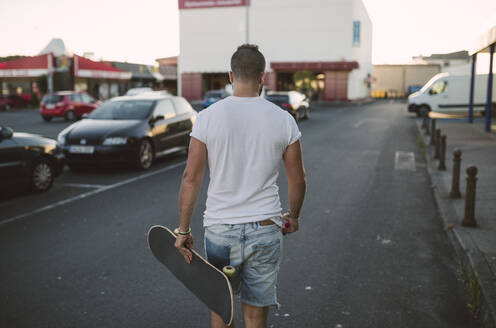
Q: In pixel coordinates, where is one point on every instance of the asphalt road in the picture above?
(371, 250)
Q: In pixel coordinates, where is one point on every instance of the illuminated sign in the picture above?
(192, 4)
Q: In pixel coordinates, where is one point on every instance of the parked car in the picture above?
(132, 130)
(449, 93)
(11, 101)
(28, 159)
(67, 104)
(294, 102)
(137, 91)
(214, 96)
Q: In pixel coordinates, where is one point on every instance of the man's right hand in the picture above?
(183, 244)
(291, 225)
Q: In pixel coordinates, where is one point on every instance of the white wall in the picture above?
(362, 54)
(300, 30)
(208, 37)
(285, 31)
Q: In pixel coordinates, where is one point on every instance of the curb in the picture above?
(472, 261)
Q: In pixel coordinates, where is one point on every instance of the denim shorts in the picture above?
(255, 251)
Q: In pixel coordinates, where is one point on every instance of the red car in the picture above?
(11, 101)
(70, 105)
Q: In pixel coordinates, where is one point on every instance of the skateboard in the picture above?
(209, 284)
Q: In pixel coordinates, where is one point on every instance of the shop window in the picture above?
(356, 33)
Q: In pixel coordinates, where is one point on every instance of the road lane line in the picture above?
(90, 193)
(82, 185)
(404, 160)
(357, 124)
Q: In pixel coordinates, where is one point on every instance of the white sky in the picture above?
(141, 31)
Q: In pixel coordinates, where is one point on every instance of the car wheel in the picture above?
(307, 113)
(144, 158)
(70, 116)
(47, 118)
(42, 175)
(423, 110)
(297, 116)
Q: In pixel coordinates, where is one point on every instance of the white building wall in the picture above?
(363, 54)
(302, 31)
(285, 31)
(208, 37)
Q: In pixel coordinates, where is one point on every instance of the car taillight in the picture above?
(286, 105)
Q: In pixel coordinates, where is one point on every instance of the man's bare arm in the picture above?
(188, 195)
(295, 172)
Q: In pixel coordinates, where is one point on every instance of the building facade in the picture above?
(330, 39)
(167, 66)
(395, 79)
(454, 62)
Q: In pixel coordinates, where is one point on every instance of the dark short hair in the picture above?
(247, 63)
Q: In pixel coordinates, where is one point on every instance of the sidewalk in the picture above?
(476, 247)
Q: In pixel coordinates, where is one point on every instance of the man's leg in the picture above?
(254, 316)
(217, 322)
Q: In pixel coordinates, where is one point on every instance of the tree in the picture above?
(303, 81)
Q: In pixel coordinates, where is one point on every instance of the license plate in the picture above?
(50, 106)
(81, 149)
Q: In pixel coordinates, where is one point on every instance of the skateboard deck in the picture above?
(204, 280)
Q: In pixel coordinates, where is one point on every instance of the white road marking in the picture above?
(357, 124)
(404, 160)
(91, 193)
(82, 185)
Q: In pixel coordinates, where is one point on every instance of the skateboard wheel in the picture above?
(229, 270)
(176, 231)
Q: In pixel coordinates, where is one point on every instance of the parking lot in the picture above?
(71, 185)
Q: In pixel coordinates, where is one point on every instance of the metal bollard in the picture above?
(437, 144)
(427, 124)
(469, 218)
(442, 153)
(433, 129)
(455, 180)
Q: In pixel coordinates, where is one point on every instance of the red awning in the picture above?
(27, 66)
(84, 67)
(314, 66)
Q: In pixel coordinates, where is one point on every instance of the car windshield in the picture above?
(213, 95)
(123, 110)
(51, 99)
(429, 83)
(277, 98)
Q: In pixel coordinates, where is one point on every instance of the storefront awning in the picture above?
(87, 68)
(484, 41)
(27, 66)
(314, 66)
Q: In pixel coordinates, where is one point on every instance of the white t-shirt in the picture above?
(246, 139)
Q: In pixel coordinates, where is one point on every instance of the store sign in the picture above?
(23, 72)
(103, 74)
(191, 4)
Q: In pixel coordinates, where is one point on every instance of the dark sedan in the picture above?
(296, 103)
(28, 160)
(132, 130)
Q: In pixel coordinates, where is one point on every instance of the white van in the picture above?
(449, 93)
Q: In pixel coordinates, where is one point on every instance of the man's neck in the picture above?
(245, 90)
